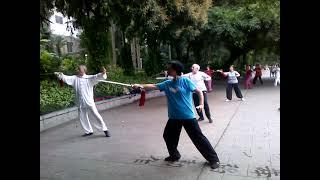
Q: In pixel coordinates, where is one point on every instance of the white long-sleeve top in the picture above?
(198, 79)
(83, 87)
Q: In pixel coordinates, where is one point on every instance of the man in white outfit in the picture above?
(83, 85)
(277, 72)
(198, 78)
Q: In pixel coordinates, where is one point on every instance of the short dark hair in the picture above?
(177, 66)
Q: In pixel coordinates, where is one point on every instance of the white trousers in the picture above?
(276, 81)
(84, 119)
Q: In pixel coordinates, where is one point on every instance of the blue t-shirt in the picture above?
(179, 97)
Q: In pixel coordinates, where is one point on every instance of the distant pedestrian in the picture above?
(277, 74)
(258, 74)
(209, 72)
(247, 82)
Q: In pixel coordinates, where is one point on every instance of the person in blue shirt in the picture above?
(181, 113)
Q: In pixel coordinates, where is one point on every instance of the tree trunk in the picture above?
(188, 50)
(169, 47)
(133, 53)
(113, 43)
(138, 57)
(178, 52)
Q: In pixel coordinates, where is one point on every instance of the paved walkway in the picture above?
(246, 136)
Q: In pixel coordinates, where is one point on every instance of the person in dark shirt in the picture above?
(258, 74)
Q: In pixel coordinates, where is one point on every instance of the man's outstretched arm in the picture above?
(145, 86)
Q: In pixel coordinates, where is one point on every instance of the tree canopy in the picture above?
(197, 30)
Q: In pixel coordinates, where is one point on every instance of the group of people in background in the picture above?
(257, 71)
(203, 80)
(249, 82)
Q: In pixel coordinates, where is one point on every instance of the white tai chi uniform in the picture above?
(198, 79)
(277, 80)
(84, 99)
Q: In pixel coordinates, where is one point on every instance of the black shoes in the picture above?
(107, 133)
(210, 120)
(89, 134)
(214, 165)
(200, 119)
(171, 159)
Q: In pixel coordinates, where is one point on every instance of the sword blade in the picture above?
(112, 82)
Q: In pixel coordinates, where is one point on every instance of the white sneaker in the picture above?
(243, 99)
(227, 100)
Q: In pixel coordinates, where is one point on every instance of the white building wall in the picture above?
(61, 29)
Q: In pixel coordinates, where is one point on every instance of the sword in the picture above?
(161, 78)
(112, 82)
(134, 91)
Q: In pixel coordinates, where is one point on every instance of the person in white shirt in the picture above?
(277, 74)
(83, 85)
(198, 78)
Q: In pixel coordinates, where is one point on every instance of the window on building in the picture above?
(69, 46)
(59, 19)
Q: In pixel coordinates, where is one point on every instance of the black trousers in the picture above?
(196, 101)
(255, 79)
(236, 88)
(171, 136)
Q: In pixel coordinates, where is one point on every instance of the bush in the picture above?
(49, 62)
(53, 97)
(70, 64)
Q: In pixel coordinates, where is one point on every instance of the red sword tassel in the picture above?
(61, 82)
(142, 98)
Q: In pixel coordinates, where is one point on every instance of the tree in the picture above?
(93, 17)
(46, 7)
(242, 27)
(164, 22)
(57, 42)
(196, 31)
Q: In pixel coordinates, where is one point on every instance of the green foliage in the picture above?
(56, 43)
(153, 63)
(46, 7)
(98, 47)
(125, 60)
(53, 97)
(196, 30)
(70, 64)
(94, 18)
(49, 62)
(239, 27)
